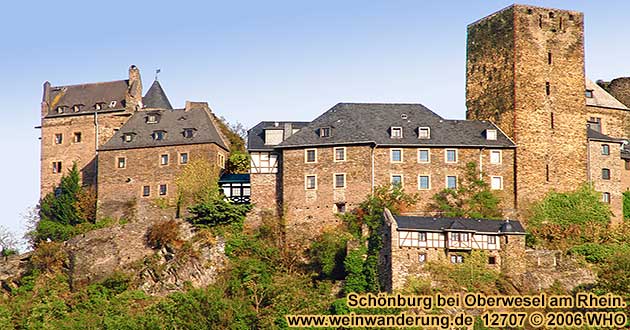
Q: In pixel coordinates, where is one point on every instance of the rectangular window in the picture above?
(548, 88)
(221, 160)
(495, 157)
(451, 155)
(455, 237)
(164, 160)
(340, 154)
(397, 180)
(496, 183)
(492, 240)
(424, 182)
(605, 174)
(589, 93)
(162, 189)
(311, 182)
(324, 132)
(58, 138)
(605, 149)
(422, 258)
(547, 172)
(396, 155)
(77, 137)
(122, 162)
(492, 260)
(397, 132)
(606, 197)
(56, 167)
(146, 191)
(451, 182)
(424, 156)
(491, 134)
(464, 237)
(340, 207)
(310, 155)
(183, 158)
(236, 191)
(422, 237)
(340, 180)
(424, 133)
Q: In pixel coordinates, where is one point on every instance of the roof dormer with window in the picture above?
(491, 134)
(424, 133)
(128, 137)
(189, 132)
(396, 132)
(158, 135)
(152, 118)
(325, 132)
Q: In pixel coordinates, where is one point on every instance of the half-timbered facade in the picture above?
(411, 241)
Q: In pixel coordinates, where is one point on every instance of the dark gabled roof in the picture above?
(155, 98)
(234, 178)
(87, 96)
(173, 122)
(256, 135)
(458, 224)
(597, 136)
(356, 123)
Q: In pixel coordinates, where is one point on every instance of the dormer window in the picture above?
(324, 132)
(112, 104)
(424, 133)
(99, 106)
(189, 132)
(152, 118)
(589, 93)
(491, 134)
(76, 108)
(396, 133)
(158, 135)
(61, 109)
(128, 137)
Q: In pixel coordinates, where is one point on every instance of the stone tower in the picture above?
(525, 72)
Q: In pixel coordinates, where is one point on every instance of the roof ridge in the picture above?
(91, 83)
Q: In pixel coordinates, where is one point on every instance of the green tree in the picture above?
(61, 211)
(471, 199)
(238, 162)
(626, 205)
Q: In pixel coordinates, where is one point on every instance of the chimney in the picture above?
(133, 99)
(288, 130)
(45, 99)
(197, 105)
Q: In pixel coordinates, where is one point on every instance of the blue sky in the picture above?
(253, 60)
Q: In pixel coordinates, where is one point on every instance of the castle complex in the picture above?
(534, 124)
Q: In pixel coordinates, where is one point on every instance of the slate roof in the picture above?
(363, 123)
(173, 122)
(601, 98)
(597, 136)
(459, 224)
(256, 135)
(155, 98)
(87, 96)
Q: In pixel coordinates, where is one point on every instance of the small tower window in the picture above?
(58, 138)
(605, 174)
(605, 149)
(77, 137)
(122, 162)
(549, 58)
(551, 14)
(548, 88)
(606, 197)
(547, 172)
(162, 189)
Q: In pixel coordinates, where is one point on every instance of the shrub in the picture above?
(48, 257)
(327, 254)
(217, 211)
(594, 253)
(163, 233)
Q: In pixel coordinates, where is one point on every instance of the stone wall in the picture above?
(613, 121)
(526, 51)
(120, 190)
(613, 186)
(69, 151)
(265, 196)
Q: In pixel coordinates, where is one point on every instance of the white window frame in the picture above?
(446, 156)
(306, 182)
(397, 128)
(428, 129)
(446, 181)
(429, 182)
(58, 141)
(345, 154)
(221, 160)
(161, 159)
(118, 162)
(402, 179)
(428, 156)
(500, 181)
(335, 181)
(606, 197)
(492, 134)
(605, 147)
(306, 156)
(500, 157)
(391, 156)
(179, 157)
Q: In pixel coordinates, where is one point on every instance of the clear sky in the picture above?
(253, 60)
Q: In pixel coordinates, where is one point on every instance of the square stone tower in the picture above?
(525, 72)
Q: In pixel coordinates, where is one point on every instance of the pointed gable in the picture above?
(155, 98)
